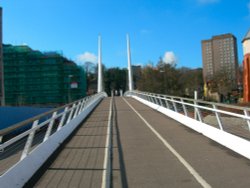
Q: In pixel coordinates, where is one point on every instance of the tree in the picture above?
(223, 82)
(150, 80)
(91, 72)
(169, 78)
(190, 80)
(160, 79)
(115, 79)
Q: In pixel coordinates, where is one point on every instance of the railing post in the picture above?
(160, 101)
(49, 128)
(151, 99)
(197, 111)
(82, 106)
(29, 140)
(248, 121)
(71, 113)
(184, 108)
(175, 108)
(156, 99)
(148, 98)
(77, 108)
(218, 117)
(166, 101)
(62, 119)
(84, 103)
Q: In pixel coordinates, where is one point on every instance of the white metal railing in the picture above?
(228, 118)
(43, 126)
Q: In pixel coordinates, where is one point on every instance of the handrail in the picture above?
(197, 109)
(34, 146)
(192, 100)
(30, 120)
(71, 111)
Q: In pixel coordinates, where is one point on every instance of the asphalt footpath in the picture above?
(149, 150)
(169, 154)
(79, 162)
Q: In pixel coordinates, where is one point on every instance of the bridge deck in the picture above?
(140, 158)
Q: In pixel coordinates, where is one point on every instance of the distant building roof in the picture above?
(221, 36)
(247, 36)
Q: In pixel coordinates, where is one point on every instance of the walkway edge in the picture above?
(228, 140)
(107, 165)
(22, 171)
(192, 171)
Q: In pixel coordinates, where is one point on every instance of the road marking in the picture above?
(177, 155)
(106, 155)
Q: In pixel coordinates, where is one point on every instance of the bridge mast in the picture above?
(100, 75)
(130, 75)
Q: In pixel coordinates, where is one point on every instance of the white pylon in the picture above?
(100, 80)
(130, 74)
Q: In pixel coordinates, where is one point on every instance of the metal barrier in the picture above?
(228, 118)
(43, 127)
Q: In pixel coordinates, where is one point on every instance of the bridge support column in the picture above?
(130, 74)
(100, 75)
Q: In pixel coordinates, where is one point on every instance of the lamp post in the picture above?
(69, 91)
(162, 70)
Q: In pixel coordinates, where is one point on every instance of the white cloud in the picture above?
(86, 57)
(207, 1)
(170, 58)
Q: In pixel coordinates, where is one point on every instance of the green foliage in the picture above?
(222, 82)
(167, 79)
(162, 78)
(115, 79)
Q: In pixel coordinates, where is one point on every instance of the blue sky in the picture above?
(156, 27)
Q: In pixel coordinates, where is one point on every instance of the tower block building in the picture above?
(246, 67)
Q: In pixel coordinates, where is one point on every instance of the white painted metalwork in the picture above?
(130, 74)
(107, 165)
(63, 118)
(221, 114)
(49, 129)
(100, 75)
(218, 117)
(71, 111)
(224, 124)
(29, 141)
(36, 151)
(247, 115)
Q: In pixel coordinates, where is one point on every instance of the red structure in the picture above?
(246, 81)
(246, 67)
